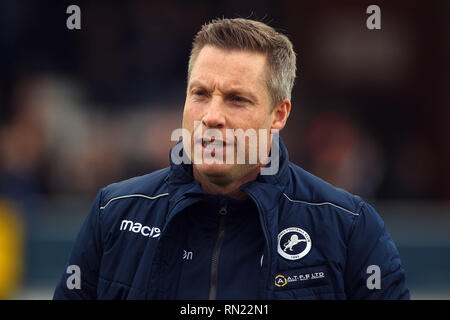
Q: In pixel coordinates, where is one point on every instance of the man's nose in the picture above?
(214, 116)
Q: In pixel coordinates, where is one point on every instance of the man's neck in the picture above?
(232, 189)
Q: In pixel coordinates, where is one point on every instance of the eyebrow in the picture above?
(234, 90)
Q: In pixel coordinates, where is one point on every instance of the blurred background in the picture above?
(80, 109)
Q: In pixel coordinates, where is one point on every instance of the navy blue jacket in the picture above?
(320, 242)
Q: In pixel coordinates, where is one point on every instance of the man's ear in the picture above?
(280, 114)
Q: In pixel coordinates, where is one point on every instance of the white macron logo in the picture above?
(136, 227)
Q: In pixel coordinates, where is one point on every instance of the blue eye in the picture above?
(239, 99)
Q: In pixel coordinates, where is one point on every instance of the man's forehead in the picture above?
(237, 67)
(214, 51)
(209, 81)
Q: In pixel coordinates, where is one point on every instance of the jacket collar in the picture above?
(181, 182)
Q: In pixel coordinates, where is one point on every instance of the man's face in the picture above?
(226, 90)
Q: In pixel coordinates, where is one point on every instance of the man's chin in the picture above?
(213, 170)
(223, 173)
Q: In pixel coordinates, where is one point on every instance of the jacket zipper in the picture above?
(216, 254)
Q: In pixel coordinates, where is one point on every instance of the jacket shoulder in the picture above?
(151, 184)
(309, 188)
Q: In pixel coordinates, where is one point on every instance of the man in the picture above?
(225, 230)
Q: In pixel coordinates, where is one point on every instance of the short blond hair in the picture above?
(255, 36)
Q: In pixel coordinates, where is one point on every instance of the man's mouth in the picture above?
(213, 143)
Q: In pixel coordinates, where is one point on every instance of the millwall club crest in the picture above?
(293, 243)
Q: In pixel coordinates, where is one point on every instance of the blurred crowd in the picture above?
(82, 109)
